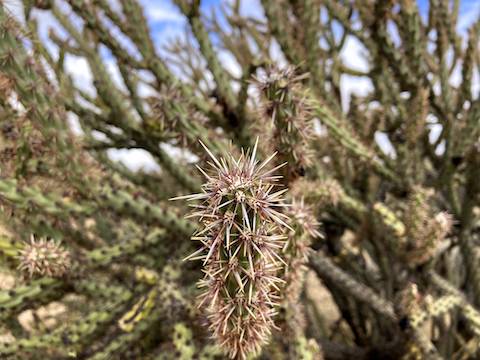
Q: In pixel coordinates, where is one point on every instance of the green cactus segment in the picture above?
(39, 291)
(67, 340)
(145, 211)
(50, 204)
(182, 340)
(284, 102)
(109, 254)
(328, 270)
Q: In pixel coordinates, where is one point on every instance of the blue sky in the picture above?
(167, 22)
(469, 10)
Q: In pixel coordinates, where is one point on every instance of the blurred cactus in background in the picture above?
(357, 239)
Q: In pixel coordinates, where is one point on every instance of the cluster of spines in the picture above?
(44, 257)
(424, 229)
(305, 227)
(242, 237)
(285, 103)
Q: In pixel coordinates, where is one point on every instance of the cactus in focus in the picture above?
(241, 239)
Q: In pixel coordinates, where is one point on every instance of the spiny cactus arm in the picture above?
(291, 319)
(436, 308)
(386, 47)
(120, 115)
(445, 21)
(467, 247)
(325, 268)
(315, 59)
(422, 347)
(390, 219)
(241, 205)
(156, 185)
(107, 255)
(182, 340)
(412, 32)
(347, 139)
(225, 92)
(281, 28)
(139, 35)
(69, 339)
(468, 311)
(52, 204)
(141, 209)
(465, 91)
(34, 90)
(284, 104)
(40, 291)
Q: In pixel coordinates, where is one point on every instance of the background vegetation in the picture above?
(91, 250)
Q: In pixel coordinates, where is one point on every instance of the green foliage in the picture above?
(395, 274)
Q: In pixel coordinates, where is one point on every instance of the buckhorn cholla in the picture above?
(44, 257)
(242, 239)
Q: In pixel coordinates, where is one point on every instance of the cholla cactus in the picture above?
(283, 101)
(425, 231)
(44, 257)
(361, 160)
(241, 240)
(305, 227)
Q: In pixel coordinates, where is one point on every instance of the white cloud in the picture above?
(357, 85)
(159, 14)
(79, 69)
(134, 159)
(230, 64)
(162, 11)
(384, 143)
(354, 54)
(115, 75)
(252, 8)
